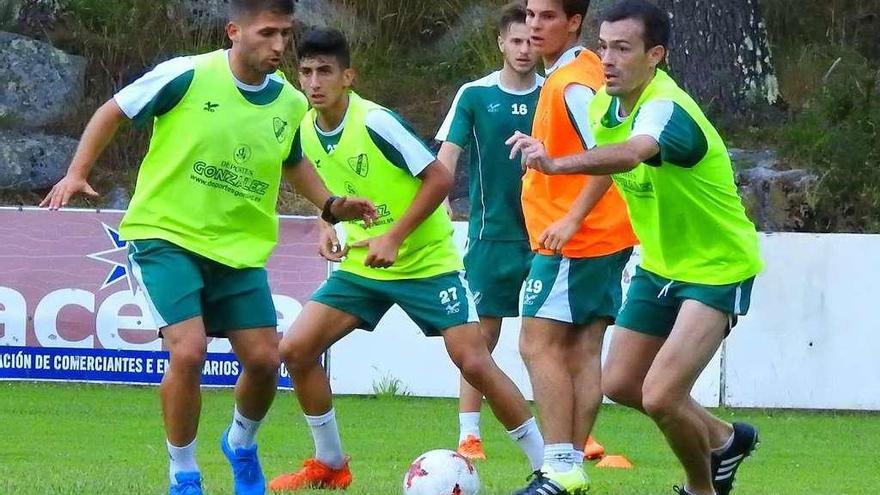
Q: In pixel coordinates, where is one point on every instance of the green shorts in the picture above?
(434, 303)
(496, 271)
(652, 301)
(575, 290)
(179, 285)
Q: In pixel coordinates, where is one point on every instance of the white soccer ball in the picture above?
(441, 472)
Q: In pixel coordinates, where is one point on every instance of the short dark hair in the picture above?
(512, 13)
(239, 8)
(574, 7)
(655, 22)
(324, 41)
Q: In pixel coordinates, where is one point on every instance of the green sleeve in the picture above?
(459, 124)
(296, 153)
(165, 100)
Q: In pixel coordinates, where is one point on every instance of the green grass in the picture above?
(108, 440)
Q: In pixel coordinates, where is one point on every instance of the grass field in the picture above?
(108, 440)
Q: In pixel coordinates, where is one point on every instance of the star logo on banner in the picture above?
(116, 257)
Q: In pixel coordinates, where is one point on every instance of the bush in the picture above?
(837, 136)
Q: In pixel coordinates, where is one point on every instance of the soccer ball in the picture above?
(441, 472)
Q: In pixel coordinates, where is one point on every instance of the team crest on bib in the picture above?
(360, 164)
(280, 127)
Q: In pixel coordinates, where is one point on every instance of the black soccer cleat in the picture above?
(725, 464)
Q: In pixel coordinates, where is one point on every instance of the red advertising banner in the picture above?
(71, 310)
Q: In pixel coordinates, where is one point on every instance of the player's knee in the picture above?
(660, 402)
(295, 354)
(188, 357)
(472, 364)
(622, 391)
(529, 351)
(265, 364)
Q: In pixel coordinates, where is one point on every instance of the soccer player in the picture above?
(579, 228)
(699, 249)
(202, 221)
(484, 114)
(407, 258)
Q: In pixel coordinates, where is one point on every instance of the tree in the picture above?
(721, 54)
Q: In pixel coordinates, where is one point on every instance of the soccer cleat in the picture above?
(593, 449)
(725, 464)
(546, 481)
(313, 475)
(188, 483)
(247, 475)
(679, 490)
(471, 448)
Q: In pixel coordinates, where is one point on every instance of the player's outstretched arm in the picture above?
(436, 185)
(306, 181)
(97, 135)
(448, 156)
(602, 160)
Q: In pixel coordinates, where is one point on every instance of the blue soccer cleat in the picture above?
(247, 475)
(188, 483)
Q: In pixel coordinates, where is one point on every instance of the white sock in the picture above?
(468, 424)
(325, 432)
(243, 432)
(578, 458)
(560, 456)
(724, 447)
(182, 460)
(529, 439)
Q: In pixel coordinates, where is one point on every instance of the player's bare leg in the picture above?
(314, 331)
(179, 391)
(563, 364)
(467, 349)
(470, 402)
(542, 346)
(584, 363)
(257, 350)
(695, 338)
(181, 396)
(628, 361)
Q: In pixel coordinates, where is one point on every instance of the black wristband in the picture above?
(327, 213)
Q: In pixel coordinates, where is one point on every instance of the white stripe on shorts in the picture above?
(139, 276)
(471, 304)
(557, 306)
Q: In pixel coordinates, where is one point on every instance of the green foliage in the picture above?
(8, 13)
(837, 135)
(389, 387)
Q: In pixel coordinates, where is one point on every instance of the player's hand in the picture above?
(65, 189)
(557, 235)
(346, 208)
(329, 247)
(383, 251)
(533, 153)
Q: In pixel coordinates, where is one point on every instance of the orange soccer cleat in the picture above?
(471, 448)
(313, 475)
(593, 449)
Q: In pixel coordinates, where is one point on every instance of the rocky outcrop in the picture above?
(39, 84)
(33, 160)
(777, 200)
